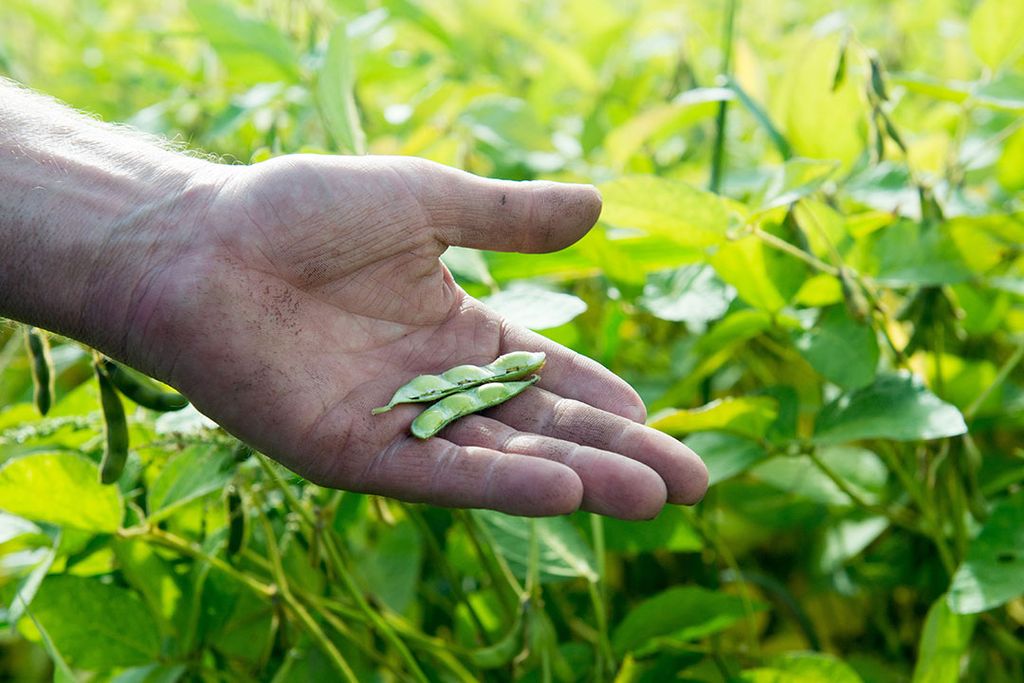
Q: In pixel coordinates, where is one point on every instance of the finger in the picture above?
(573, 375)
(612, 484)
(542, 412)
(438, 472)
(503, 215)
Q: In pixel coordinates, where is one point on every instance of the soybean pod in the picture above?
(236, 520)
(451, 408)
(42, 368)
(427, 388)
(142, 389)
(115, 453)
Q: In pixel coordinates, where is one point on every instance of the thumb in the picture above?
(502, 215)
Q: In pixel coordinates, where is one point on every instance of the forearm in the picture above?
(81, 203)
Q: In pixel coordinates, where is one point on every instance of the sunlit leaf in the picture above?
(563, 552)
(666, 207)
(95, 625)
(62, 489)
(535, 307)
(196, 471)
(693, 294)
(841, 349)
(762, 276)
(803, 667)
(252, 50)
(678, 614)
(995, 30)
(993, 571)
(944, 642)
(895, 406)
(747, 416)
(1005, 92)
(335, 91)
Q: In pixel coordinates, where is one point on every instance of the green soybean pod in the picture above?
(115, 453)
(433, 387)
(236, 521)
(451, 408)
(142, 389)
(42, 368)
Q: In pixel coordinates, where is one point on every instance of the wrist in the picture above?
(88, 215)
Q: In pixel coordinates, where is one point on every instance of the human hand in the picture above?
(307, 288)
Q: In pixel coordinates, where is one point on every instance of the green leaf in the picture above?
(748, 416)
(993, 572)
(995, 30)
(924, 84)
(841, 349)
(662, 206)
(1010, 167)
(392, 565)
(763, 277)
(152, 673)
(691, 106)
(510, 132)
(896, 406)
(563, 552)
(468, 264)
(678, 614)
(535, 307)
(335, 92)
(1005, 92)
(62, 489)
(803, 667)
(944, 642)
(95, 625)
(845, 539)
(735, 328)
(796, 179)
(725, 455)
(669, 532)
(819, 122)
(861, 470)
(196, 471)
(909, 253)
(252, 51)
(693, 294)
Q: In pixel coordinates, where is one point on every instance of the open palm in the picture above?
(310, 288)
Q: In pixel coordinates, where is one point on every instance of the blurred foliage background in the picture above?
(809, 265)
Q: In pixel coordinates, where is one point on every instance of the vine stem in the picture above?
(1004, 372)
(718, 152)
(842, 485)
(795, 251)
(296, 607)
(339, 566)
(182, 546)
(605, 658)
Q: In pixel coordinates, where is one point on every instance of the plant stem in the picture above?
(296, 607)
(718, 151)
(340, 568)
(795, 251)
(1004, 372)
(892, 515)
(604, 655)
